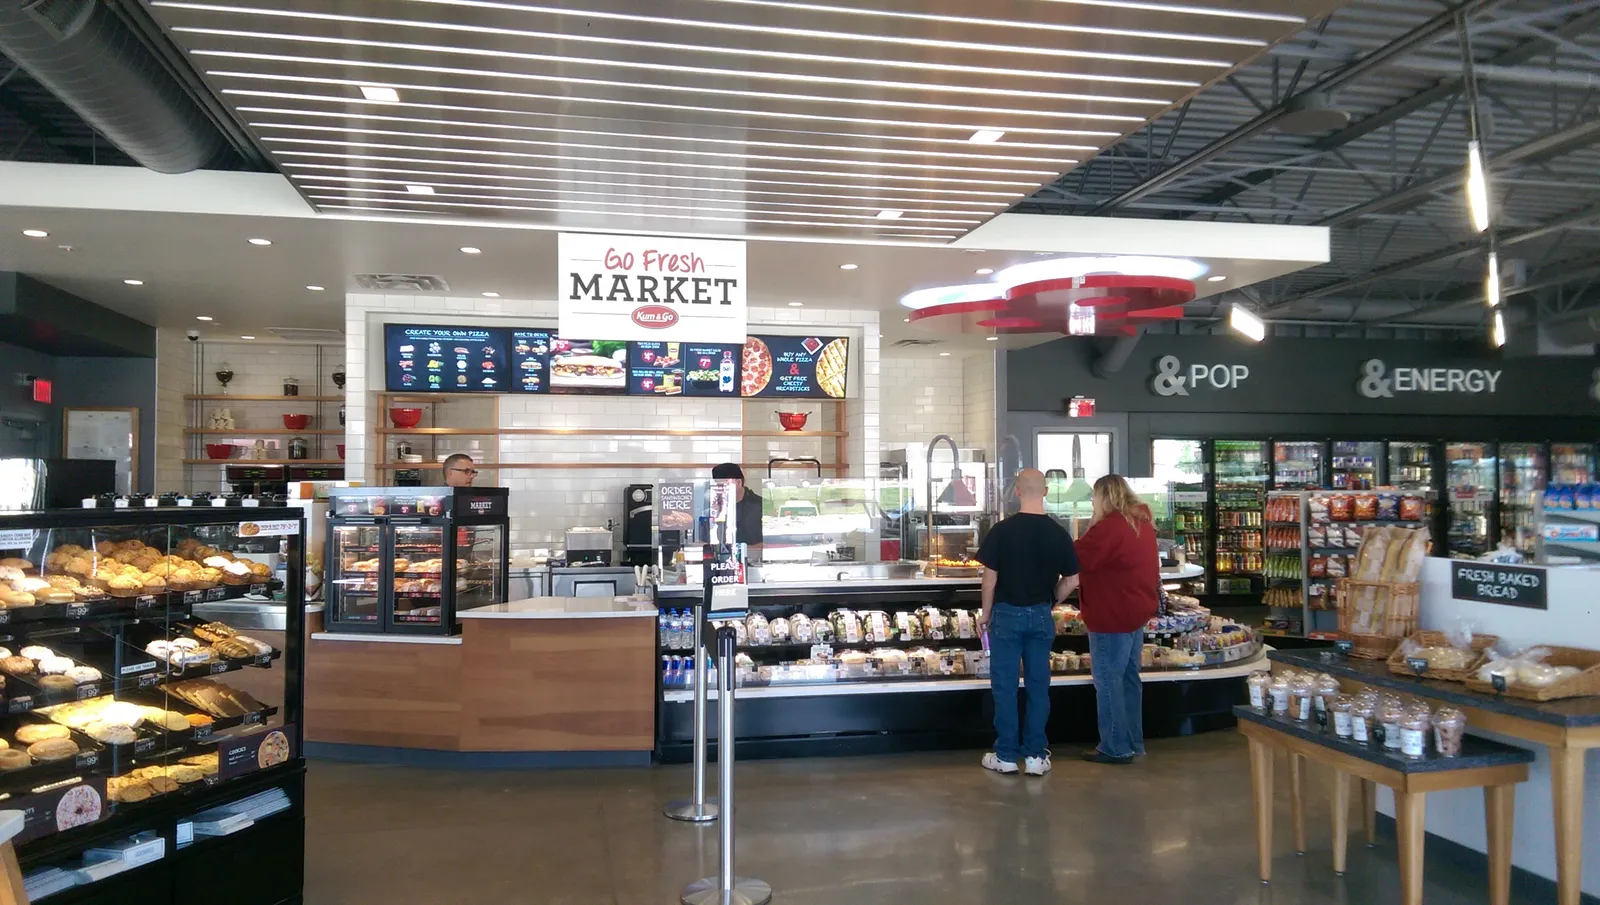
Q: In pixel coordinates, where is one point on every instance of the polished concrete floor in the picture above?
(925, 829)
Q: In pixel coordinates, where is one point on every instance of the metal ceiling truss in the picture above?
(1390, 181)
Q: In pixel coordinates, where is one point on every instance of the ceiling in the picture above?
(1390, 181)
(850, 120)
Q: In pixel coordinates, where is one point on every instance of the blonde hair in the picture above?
(1112, 494)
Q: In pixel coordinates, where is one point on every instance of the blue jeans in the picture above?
(1118, 693)
(1020, 637)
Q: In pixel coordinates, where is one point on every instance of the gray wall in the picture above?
(83, 383)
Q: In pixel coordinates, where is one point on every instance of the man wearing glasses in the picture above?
(458, 471)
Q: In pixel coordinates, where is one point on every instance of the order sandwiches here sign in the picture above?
(652, 288)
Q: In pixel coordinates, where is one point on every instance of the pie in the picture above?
(831, 367)
(757, 371)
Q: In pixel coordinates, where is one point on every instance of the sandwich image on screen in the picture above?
(595, 366)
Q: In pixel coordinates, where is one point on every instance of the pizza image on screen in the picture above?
(831, 367)
(757, 371)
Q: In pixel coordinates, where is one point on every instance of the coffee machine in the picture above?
(638, 528)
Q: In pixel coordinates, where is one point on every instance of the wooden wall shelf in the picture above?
(263, 461)
(216, 397)
(264, 432)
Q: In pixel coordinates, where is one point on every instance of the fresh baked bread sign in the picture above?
(652, 288)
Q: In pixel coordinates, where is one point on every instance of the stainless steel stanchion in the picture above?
(697, 809)
(725, 888)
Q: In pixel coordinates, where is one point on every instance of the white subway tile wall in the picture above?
(546, 501)
(922, 397)
(978, 409)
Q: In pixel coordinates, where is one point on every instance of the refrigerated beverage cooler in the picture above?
(1240, 472)
(1572, 463)
(1523, 474)
(405, 560)
(1355, 464)
(1181, 466)
(1297, 464)
(1410, 465)
(1470, 472)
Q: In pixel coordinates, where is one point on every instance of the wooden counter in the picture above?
(547, 682)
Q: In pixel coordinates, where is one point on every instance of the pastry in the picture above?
(159, 649)
(12, 759)
(83, 675)
(198, 719)
(4, 744)
(36, 652)
(260, 570)
(66, 582)
(208, 577)
(17, 563)
(153, 583)
(54, 665)
(54, 595)
(121, 712)
(53, 749)
(29, 733)
(127, 792)
(214, 631)
(234, 649)
(185, 644)
(402, 565)
(170, 720)
(56, 683)
(16, 666)
(112, 733)
(87, 592)
(4, 652)
(11, 599)
(123, 586)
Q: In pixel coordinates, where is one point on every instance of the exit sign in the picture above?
(1080, 407)
(41, 390)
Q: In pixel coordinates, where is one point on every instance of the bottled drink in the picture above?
(675, 641)
(664, 630)
(727, 373)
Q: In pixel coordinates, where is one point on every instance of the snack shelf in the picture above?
(101, 608)
(217, 667)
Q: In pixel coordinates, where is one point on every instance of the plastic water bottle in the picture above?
(680, 622)
(664, 629)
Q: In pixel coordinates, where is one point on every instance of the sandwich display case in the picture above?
(149, 742)
(406, 560)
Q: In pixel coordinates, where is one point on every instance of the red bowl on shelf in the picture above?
(403, 418)
(219, 450)
(296, 422)
(340, 447)
(792, 421)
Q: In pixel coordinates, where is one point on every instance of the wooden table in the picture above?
(1567, 728)
(1495, 767)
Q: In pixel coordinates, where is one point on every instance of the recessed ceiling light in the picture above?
(260, 241)
(889, 214)
(420, 189)
(379, 94)
(139, 283)
(1216, 278)
(316, 288)
(992, 338)
(986, 136)
(797, 304)
(984, 271)
(908, 320)
(848, 266)
(202, 317)
(944, 354)
(491, 295)
(246, 336)
(35, 233)
(470, 250)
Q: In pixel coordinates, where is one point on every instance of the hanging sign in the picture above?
(651, 288)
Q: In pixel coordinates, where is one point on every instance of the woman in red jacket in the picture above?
(1118, 584)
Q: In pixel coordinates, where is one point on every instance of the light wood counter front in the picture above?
(505, 685)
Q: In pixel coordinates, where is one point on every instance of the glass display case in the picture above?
(1523, 472)
(407, 559)
(1180, 465)
(1297, 464)
(1470, 481)
(1355, 464)
(833, 519)
(1411, 465)
(131, 707)
(1241, 472)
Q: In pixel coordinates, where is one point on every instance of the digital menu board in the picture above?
(683, 369)
(444, 359)
(530, 361)
(588, 366)
(795, 366)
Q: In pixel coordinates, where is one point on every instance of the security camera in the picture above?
(194, 336)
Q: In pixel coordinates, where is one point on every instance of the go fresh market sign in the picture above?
(652, 288)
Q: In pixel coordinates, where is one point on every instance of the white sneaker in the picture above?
(992, 761)
(1037, 766)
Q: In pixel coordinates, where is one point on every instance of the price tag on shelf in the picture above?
(77, 610)
(150, 680)
(151, 502)
(1498, 682)
(263, 660)
(5, 617)
(87, 759)
(1417, 665)
(119, 503)
(251, 503)
(146, 603)
(202, 732)
(218, 668)
(216, 593)
(258, 590)
(144, 746)
(85, 692)
(194, 596)
(1344, 646)
(185, 834)
(218, 503)
(20, 704)
(250, 718)
(821, 651)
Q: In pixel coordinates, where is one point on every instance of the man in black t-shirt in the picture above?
(1029, 564)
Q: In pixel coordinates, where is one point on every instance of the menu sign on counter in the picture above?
(795, 366)
(683, 369)
(444, 359)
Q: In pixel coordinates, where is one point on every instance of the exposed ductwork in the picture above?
(83, 53)
(1113, 357)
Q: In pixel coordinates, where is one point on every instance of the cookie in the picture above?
(185, 774)
(38, 732)
(130, 792)
(52, 749)
(12, 759)
(162, 784)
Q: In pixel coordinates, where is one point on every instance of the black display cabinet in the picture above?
(405, 560)
(137, 722)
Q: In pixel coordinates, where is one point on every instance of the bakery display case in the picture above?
(133, 729)
(406, 560)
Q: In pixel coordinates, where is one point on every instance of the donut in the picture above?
(16, 666)
(185, 644)
(52, 749)
(83, 675)
(36, 652)
(12, 759)
(56, 683)
(53, 665)
(161, 650)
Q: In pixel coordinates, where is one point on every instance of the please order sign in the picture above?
(651, 288)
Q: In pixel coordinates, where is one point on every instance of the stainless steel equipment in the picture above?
(588, 545)
(592, 581)
(638, 525)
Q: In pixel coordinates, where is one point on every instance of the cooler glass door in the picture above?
(1297, 464)
(1072, 462)
(1572, 463)
(354, 594)
(1411, 466)
(1355, 464)
(1239, 536)
(479, 579)
(1522, 479)
(1469, 479)
(418, 575)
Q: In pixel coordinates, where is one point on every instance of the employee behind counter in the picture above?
(747, 515)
